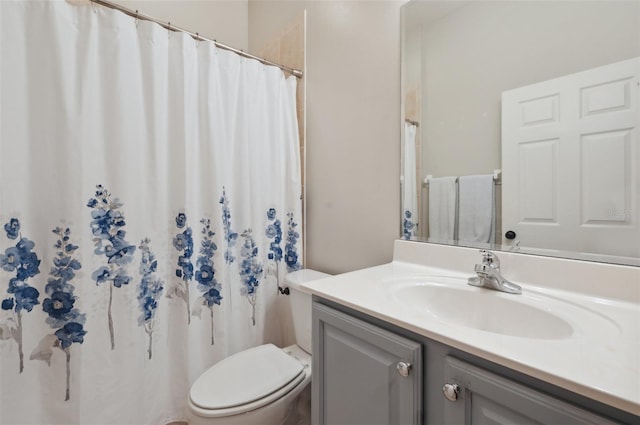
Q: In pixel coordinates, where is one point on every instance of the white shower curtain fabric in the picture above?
(409, 192)
(150, 202)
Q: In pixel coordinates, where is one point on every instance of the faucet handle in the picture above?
(481, 268)
(490, 258)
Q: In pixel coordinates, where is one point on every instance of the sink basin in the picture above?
(451, 300)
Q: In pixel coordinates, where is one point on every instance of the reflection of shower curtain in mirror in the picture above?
(409, 192)
(149, 205)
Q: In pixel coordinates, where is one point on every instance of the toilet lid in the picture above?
(245, 377)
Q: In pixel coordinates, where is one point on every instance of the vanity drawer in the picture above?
(477, 396)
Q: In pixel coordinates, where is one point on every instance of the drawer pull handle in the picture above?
(451, 391)
(404, 368)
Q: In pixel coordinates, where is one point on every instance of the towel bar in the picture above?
(497, 175)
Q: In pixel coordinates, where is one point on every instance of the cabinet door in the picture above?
(356, 376)
(486, 398)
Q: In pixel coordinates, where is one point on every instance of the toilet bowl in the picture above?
(263, 385)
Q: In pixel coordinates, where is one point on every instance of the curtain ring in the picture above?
(169, 29)
(137, 19)
(197, 39)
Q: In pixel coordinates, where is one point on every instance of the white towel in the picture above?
(442, 208)
(476, 209)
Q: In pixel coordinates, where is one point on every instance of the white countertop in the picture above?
(599, 360)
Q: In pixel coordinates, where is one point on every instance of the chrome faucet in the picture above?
(489, 275)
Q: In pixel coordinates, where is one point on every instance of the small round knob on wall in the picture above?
(451, 391)
(510, 234)
(403, 368)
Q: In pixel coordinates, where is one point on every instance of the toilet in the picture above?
(260, 385)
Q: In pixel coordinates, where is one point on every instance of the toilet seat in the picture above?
(246, 381)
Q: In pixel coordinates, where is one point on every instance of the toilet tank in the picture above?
(301, 305)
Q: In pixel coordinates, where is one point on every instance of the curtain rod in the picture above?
(167, 25)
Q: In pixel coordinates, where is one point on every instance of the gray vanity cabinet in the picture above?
(477, 396)
(363, 374)
(358, 379)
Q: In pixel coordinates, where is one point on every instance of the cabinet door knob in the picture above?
(450, 391)
(404, 368)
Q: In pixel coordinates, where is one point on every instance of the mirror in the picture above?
(520, 126)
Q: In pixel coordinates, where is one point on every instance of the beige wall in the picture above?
(353, 126)
(222, 20)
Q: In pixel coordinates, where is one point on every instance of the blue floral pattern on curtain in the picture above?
(291, 256)
(64, 317)
(107, 227)
(250, 272)
(205, 276)
(183, 243)
(229, 235)
(22, 297)
(109, 238)
(149, 291)
(274, 234)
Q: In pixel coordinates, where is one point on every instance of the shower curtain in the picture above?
(149, 206)
(409, 188)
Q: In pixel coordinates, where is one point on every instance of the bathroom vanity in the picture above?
(411, 343)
